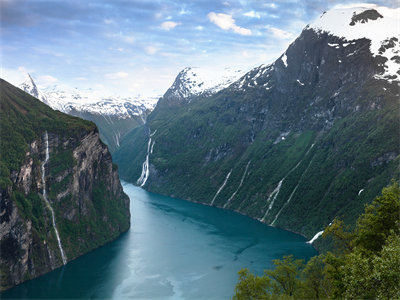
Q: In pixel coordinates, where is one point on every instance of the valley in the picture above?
(291, 143)
(194, 190)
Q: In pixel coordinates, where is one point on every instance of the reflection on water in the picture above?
(174, 250)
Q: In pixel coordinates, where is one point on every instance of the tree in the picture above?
(380, 218)
(366, 264)
(286, 275)
(252, 287)
(315, 284)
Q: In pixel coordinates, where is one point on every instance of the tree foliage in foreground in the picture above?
(365, 263)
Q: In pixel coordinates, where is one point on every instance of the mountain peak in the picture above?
(195, 81)
(30, 87)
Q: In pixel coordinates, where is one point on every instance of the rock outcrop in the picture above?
(81, 186)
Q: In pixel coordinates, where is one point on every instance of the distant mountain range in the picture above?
(113, 115)
(294, 144)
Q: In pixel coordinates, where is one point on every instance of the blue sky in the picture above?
(131, 47)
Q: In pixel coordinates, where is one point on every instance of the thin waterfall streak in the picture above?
(151, 134)
(222, 186)
(293, 192)
(273, 195)
(280, 184)
(117, 134)
(316, 236)
(48, 205)
(145, 167)
(141, 116)
(240, 185)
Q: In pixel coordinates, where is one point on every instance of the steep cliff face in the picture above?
(294, 144)
(61, 198)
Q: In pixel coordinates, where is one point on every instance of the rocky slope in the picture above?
(294, 144)
(60, 192)
(114, 116)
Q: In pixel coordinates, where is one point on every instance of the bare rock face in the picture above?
(83, 189)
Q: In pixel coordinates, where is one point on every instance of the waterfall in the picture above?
(240, 185)
(46, 200)
(145, 167)
(117, 136)
(274, 194)
(140, 115)
(291, 195)
(278, 188)
(315, 237)
(222, 186)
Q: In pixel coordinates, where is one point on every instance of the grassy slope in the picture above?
(341, 163)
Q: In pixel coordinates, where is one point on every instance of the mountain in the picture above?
(60, 194)
(192, 82)
(114, 116)
(294, 144)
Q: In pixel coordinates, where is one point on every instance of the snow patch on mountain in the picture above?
(284, 59)
(378, 24)
(257, 76)
(66, 99)
(31, 88)
(194, 81)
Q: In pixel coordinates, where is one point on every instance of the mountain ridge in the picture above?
(113, 115)
(319, 113)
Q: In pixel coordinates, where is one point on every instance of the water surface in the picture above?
(174, 250)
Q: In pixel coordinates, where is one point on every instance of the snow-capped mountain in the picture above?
(380, 25)
(195, 81)
(31, 88)
(344, 31)
(114, 116)
(66, 99)
(291, 143)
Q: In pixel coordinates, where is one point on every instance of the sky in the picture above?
(137, 47)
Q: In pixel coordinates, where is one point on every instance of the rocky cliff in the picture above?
(60, 192)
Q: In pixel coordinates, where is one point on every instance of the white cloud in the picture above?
(47, 80)
(355, 4)
(200, 28)
(226, 22)
(117, 75)
(169, 25)
(270, 5)
(184, 12)
(151, 50)
(14, 76)
(129, 39)
(279, 33)
(252, 14)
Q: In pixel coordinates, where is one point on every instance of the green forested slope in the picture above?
(294, 145)
(81, 182)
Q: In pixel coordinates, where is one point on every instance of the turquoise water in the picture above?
(174, 250)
